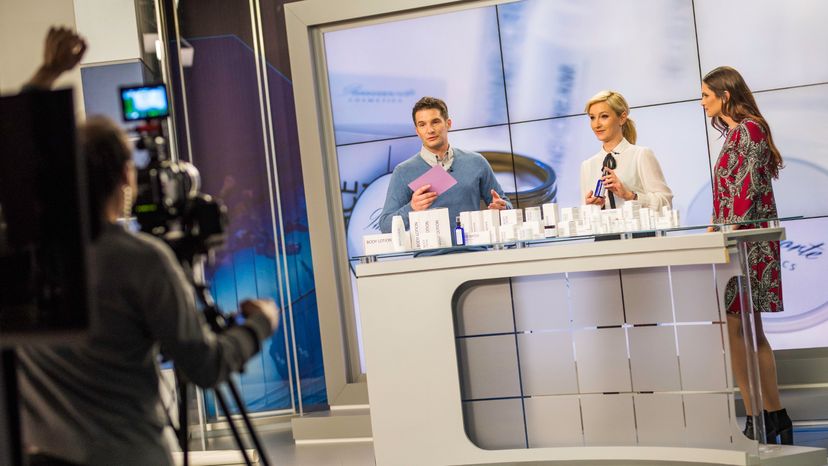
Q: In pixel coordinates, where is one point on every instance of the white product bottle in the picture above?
(398, 235)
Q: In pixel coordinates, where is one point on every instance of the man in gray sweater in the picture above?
(475, 179)
(96, 401)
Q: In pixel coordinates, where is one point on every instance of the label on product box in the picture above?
(377, 244)
(430, 229)
(511, 217)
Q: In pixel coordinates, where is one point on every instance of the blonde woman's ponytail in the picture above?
(629, 130)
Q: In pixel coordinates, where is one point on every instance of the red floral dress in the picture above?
(742, 191)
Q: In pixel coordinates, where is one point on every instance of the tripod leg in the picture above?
(14, 454)
(223, 403)
(183, 424)
(253, 435)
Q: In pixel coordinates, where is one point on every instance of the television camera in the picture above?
(169, 203)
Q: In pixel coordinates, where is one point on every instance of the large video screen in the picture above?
(516, 78)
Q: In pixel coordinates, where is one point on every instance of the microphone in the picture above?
(609, 163)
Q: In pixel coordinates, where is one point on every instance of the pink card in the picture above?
(437, 177)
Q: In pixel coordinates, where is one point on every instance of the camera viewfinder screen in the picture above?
(144, 102)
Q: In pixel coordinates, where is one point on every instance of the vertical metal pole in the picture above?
(172, 69)
(202, 417)
(751, 344)
(274, 191)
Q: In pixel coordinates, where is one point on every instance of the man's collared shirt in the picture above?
(432, 160)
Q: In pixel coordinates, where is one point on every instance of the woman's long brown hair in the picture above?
(739, 106)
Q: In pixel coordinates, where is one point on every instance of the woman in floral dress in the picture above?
(742, 191)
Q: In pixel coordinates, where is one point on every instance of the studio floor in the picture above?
(282, 450)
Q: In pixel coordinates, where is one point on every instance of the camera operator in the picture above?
(96, 401)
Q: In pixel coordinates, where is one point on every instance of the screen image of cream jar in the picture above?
(534, 182)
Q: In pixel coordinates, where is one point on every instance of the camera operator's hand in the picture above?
(62, 52)
(265, 307)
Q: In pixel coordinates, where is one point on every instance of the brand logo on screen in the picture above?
(794, 252)
(803, 266)
(360, 93)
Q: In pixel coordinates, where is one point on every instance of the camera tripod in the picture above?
(218, 322)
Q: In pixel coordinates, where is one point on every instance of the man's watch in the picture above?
(635, 196)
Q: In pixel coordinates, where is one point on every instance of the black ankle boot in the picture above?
(750, 431)
(779, 424)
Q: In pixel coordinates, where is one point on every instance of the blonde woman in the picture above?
(628, 172)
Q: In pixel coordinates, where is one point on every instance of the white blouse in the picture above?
(638, 170)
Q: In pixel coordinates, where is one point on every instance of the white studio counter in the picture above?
(601, 352)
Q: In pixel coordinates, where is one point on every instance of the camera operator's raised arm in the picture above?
(62, 52)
